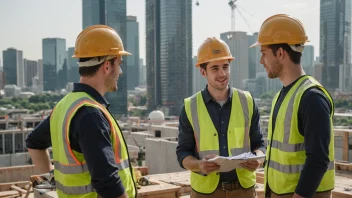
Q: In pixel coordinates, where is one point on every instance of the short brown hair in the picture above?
(92, 70)
(295, 57)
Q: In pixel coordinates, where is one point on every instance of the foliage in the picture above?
(34, 103)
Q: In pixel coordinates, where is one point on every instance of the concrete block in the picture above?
(155, 157)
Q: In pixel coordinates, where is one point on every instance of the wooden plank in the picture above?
(7, 186)
(161, 195)
(343, 130)
(345, 152)
(160, 188)
(13, 187)
(347, 167)
(9, 193)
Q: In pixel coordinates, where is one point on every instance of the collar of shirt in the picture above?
(80, 87)
(288, 87)
(207, 97)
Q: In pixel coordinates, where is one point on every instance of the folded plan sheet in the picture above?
(229, 163)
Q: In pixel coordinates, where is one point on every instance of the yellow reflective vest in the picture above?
(286, 153)
(207, 141)
(71, 172)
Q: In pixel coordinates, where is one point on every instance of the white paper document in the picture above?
(227, 164)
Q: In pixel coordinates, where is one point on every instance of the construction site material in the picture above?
(7, 194)
(177, 184)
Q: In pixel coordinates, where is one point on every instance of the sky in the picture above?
(24, 23)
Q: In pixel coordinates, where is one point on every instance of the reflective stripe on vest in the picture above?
(238, 131)
(286, 150)
(75, 190)
(77, 169)
(293, 168)
(234, 151)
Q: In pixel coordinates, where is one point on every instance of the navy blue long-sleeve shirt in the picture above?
(220, 116)
(314, 124)
(89, 135)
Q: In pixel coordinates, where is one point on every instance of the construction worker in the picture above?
(300, 155)
(219, 120)
(89, 152)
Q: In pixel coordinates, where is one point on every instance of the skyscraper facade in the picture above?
(169, 35)
(133, 47)
(13, 67)
(54, 64)
(335, 42)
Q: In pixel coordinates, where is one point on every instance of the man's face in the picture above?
(111, 80)
(270, 62)
(217, 74)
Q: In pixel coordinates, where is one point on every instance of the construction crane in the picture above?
(235, 7)
(232, 4)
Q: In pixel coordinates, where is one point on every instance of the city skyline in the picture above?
(51, 23)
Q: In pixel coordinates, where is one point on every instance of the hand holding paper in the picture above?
(244, 160)
(207, 166)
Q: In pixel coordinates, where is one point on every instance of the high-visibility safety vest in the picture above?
(207, 141)
(286, 152)
(72, 177)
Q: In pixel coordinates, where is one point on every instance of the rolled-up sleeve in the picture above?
(256, 134)
(40, 137)
(186, 141)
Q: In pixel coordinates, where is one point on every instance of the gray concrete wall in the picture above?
(17, 173)
(339, 149)
(161, 156)
(139, 137)
(16, 159)
(166, 131)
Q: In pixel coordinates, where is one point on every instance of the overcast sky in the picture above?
(24, 23)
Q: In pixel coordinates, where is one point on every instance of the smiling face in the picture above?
(271, 63)
(217, 73)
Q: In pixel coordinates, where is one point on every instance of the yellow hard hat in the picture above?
(98, 40)
(213, 49)
(281, 28)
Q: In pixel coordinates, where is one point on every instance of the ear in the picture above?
(281, 53)
(203, 72)
(106, 67)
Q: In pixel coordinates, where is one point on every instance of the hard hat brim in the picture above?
(255, 44)
(216, 59)
(124, 53)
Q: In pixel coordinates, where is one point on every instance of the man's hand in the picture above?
(207, 167)
(297, 196)
(251, 165)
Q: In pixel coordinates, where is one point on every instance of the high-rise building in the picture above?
(113, 14)
(93, 12)
(54, 64)
(238, 44)
(40, 71)
(307, 60)
(152, 29)
(318, 70)
(31, 70)
(142, 73)
(2, 78)
(199, 82)
(72, 66)
(335, 42)
(169, 53)
(254, 65)
(13, 67)
(133, 47)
